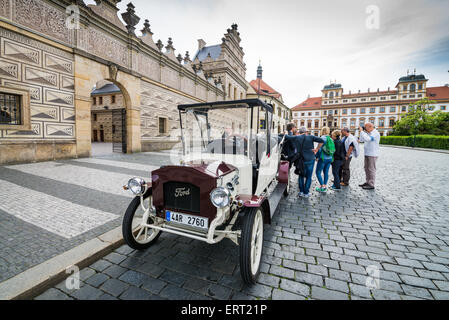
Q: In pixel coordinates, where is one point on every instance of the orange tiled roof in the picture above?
(438, 93)
(265, 89)
(310, 102)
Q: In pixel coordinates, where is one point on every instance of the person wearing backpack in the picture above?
(339, 157)
(324, 156)
(305, 158)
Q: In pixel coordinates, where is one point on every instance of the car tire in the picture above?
(128, 234)
(251, 244)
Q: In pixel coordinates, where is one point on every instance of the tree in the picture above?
(417, 120)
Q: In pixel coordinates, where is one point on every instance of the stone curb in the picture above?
(419, 149)
(36, 280)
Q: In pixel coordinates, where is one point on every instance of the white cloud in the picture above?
(305, 44)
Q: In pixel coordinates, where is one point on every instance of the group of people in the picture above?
(334, 150)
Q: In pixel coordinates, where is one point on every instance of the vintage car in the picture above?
(228, 183)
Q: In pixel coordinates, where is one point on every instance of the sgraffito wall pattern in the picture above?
(47, 73)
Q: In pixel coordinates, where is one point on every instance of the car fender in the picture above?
(253, 201)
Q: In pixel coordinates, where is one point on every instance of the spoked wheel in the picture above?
(135, 235)
(251, 243)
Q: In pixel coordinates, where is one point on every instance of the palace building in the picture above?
(53, 54)
(336, 109)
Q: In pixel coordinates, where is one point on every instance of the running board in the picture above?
(276, 196)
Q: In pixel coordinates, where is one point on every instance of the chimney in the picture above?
(201, 44)
(377, 89)
(388, 88)
(368, 89)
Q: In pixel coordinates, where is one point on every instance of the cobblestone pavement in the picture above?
(317, 248)
(50, 207)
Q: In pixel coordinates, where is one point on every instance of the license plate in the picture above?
(187, 219)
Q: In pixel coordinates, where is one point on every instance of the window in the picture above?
(309, 124)
(362, 122)
(392, 109)
(331, 95)
(94, 101)
(404, 88)
(325, 95)
(393, 97)
(372, 110)
(352, 122)
(317, 123)
(336, 112)
(411, 96)
(381, 122)
(241, 95)
(443, 108)
(362, 110)
(95, 117)
(330, 112)
(100, 100)
(302, 114)
(410, 108)
(391, 122)
(354, 100)
(345, 100)
(404, 96)
(162, 125)
(419, 95)
(353, 111)
(317, 113)
(14, 109)
(373, 99)
(382, 98)
(325, 102)
(363, 99)
(302, 123)
(412, 87)
(404, 108)
(420, 86)
(310, 113)
(325, 112)
(262, 124)
(345, 111)
(382, 109)
(113, 99)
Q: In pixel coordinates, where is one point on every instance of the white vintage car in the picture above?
(227, 185)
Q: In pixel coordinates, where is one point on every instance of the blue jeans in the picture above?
(323, 165)
(305, 182)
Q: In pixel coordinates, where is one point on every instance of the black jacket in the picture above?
(339, 150)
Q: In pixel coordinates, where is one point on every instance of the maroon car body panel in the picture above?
(250, 200)
(203, 175)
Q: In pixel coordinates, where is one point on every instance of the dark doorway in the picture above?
(119, 130)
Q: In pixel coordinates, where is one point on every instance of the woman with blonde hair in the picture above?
(339, 157)
(324, 158)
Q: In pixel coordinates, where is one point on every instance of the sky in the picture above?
(304, 44)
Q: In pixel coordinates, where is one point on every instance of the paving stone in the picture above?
(133, 278)
(150, 269)
(430, 274)
(87, 292)
(97, 279)
(115, 258)
(309, 278)
(298, 266)
(417, 281)
(173, 277)
(100, 265)
(259, 290)
(442, 285)
(134, 293)
(339, 275)
(361, 291)
(114, 271)
(416, 292)
(279, 294)
(86, 273)
(317, 269)
(197, 285)
(282, 272)
(326, 294)
(269, 280)
(219, 292)
(114, 287)
(106, 296)
(399, 269)
(440, 295)
(53, 294)
(338, 285)
(385, 295)
(436, 267)
(352, 268)
(154, 285)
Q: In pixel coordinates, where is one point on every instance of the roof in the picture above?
(332, 86)
(214, 52)
(438, 93)
(262, 88)
(310, 102)
(233, 103)
(369, 94)
(412, 77)
(107, 88)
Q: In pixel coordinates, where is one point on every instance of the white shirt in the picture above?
(371, 141)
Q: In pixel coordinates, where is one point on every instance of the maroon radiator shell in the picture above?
(203, 175)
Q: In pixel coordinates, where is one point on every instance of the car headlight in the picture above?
(220, 197)
(137, 186)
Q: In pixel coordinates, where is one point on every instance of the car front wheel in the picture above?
(136, 235)
(251, 243)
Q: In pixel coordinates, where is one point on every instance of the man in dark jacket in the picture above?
(305, 145)
(288, 149)
(339, 158)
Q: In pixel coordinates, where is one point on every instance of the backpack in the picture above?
(298, 160)
(329, 147)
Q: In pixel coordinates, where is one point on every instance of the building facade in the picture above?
(336, 109)
(259, 89)
(54, 52)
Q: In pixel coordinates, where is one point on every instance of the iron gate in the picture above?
(119, 130)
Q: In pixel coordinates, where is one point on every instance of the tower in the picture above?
(259, 71)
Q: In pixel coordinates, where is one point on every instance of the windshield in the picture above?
(225, 130)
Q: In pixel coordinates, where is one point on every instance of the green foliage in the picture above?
(418, 120)
(421, 141)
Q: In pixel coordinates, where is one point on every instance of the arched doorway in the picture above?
(108, 119)
(88, 74)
